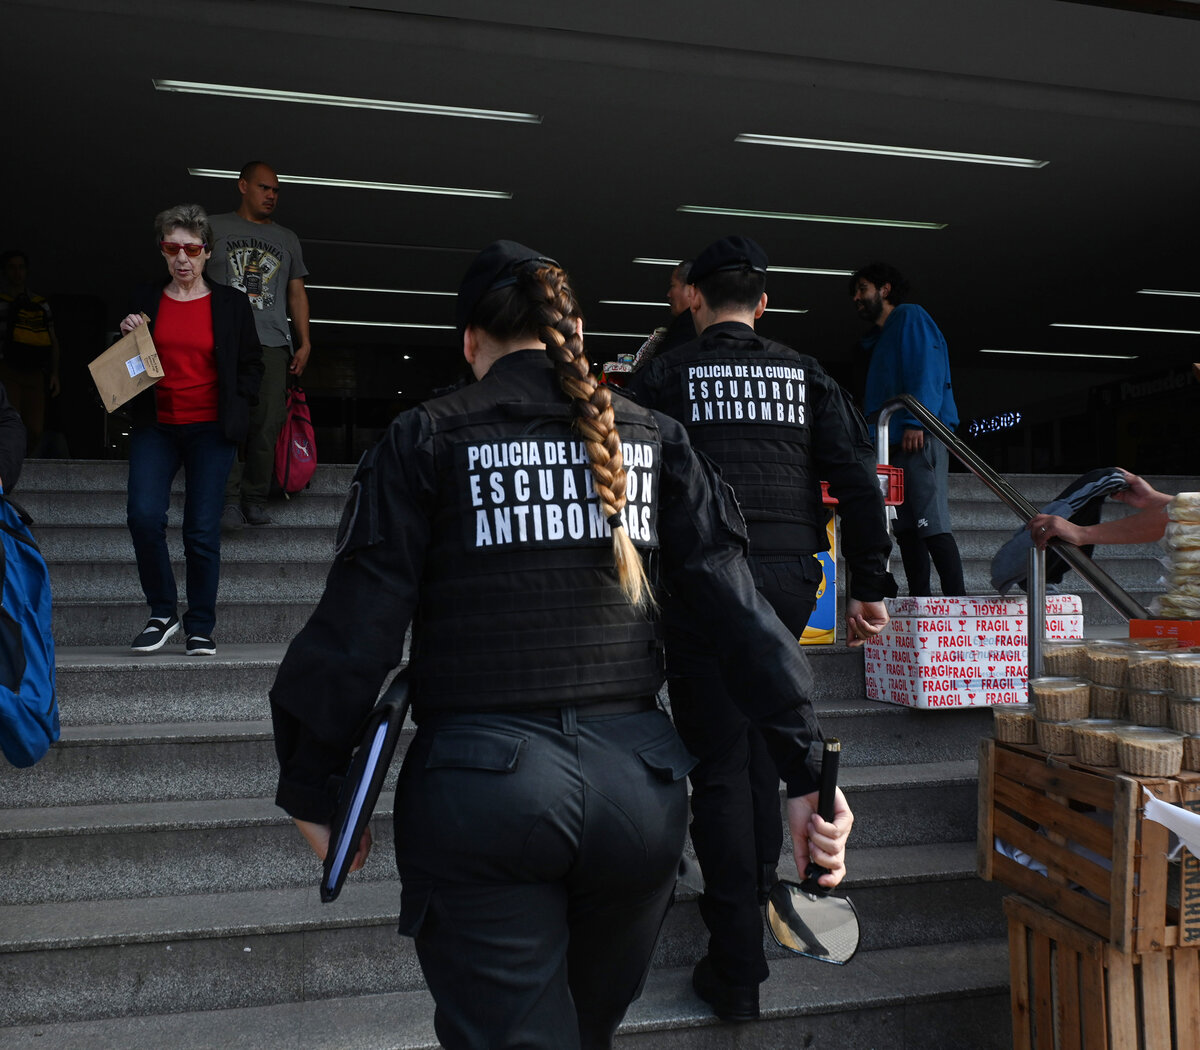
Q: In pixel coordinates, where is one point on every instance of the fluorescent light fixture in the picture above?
(809, 270)
(890, 151)
(1051, 353)
(770, 269)
(845, 220)
(352, 184)
(638, 302)
(1129, 328)
(188, 87)
(384, 324)
(588, 334)
(387, 291)
(642, 303)
(1166, 291)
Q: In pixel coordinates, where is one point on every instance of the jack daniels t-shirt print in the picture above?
(538, 492)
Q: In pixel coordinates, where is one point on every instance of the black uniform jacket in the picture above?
(12, 442)
(237, 350)
(334, 668)
(777, 424)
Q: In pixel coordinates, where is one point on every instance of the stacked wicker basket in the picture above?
(1132, 704)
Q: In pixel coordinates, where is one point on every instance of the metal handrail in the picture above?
(1103, 584)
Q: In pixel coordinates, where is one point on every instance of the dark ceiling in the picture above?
(640, 106)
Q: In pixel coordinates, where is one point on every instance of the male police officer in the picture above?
(776, 424)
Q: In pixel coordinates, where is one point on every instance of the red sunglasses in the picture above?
(192, 250)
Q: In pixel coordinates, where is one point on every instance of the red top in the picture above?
(183, 336)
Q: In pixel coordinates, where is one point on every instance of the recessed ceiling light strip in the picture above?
(352, 184)
(845, 220)
(770, 269)
(383, 324)
(387, 291)
(1051, 353)
(188, 87)
(1167, 291)
(809, 270)
(890, 151)
(1129, 328)
(640, 302)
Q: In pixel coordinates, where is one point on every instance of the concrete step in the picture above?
(117, 623)
(158, 849)
(149, 763)
(106, 508)
(900, 805)
(115, 849)
(109, 685)
(112, 475)
(227, 758)
(943, 997)
(74, 960)
(1040, 488)
(64, 546)
(243, 579)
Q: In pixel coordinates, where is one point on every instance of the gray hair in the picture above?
(190, 217)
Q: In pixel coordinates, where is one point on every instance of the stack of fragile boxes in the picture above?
(960, 652)
(1105, 940)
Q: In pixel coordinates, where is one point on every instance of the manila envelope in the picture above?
(126, 368)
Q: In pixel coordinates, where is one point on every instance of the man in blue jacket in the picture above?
(909, 356)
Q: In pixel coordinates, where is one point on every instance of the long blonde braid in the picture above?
(555, 312)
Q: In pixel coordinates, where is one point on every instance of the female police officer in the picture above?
(541, 808)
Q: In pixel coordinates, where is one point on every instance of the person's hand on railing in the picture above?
(1044, 527)
(864, 619)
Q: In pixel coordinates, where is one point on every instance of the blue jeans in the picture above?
(156, 453)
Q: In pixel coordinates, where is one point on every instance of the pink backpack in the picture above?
(296, 447)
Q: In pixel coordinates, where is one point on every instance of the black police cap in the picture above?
(496, 266)
(729, 253)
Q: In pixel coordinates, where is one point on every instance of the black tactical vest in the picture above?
(520, 605)
(744, 402)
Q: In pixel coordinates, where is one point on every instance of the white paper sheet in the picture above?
(1183, 822)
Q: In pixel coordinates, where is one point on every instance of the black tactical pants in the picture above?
(538, 855)
(737, 827)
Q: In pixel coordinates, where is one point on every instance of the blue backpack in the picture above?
(28, 705)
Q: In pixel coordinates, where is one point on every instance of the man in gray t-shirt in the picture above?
(263, 259)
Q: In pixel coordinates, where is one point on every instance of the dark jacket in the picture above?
(237, 350)
(388, 560)
(12, 442)
(777, 425)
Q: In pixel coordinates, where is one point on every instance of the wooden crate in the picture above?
(1072, 990)
(1075, 820)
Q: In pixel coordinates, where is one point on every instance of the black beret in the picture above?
(494, 267)
(729, 253)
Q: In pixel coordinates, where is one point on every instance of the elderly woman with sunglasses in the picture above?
(193, 417)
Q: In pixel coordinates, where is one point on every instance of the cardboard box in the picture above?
(1187, 631)
(960, 652)
(1072, 991)
(1106, 865)
(126, 368)
(987, 605)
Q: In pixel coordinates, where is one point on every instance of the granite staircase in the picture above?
(152, 896)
